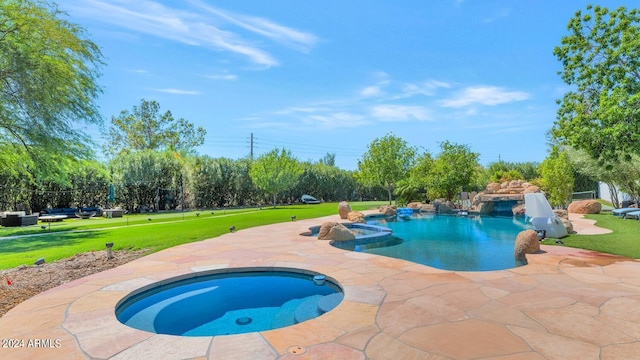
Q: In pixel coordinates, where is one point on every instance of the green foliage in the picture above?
(387, 161)
(502, 176)
(501, 171)
(141, 177)
(145, 128)
(454, 168)
(275, 172)
(324, 182)
(557, 177)
(48, 72)
(622, 175)
(600, 59)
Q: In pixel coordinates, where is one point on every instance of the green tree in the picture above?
(387, 161)
(275, 172)
(601, 61)
(557, 177)
(145, 128)
(454, 168)
(48, 73)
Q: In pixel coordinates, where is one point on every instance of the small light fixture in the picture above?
(293, 218)
(232, 228)
(197, 214)
(39, 262)
(541, 234)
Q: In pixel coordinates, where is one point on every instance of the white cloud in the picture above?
(178, 91)
(427, 88)
(229, 77)
(484, 95)
(371, 91)
(400, 113)
(335, 120)
(194, 27)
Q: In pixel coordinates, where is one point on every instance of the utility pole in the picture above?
(251, 147)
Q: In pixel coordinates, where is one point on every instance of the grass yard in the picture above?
(164, 230)
(624, 240)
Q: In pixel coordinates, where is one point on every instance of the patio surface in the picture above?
(566, 304)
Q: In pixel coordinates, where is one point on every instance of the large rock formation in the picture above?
(356, 216)
(484, 202)
(414, 205)
(335, 231)
(388, 210)
(585, 207)
(343, 209)
(527, 242)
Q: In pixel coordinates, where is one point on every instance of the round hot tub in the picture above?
(230, 301)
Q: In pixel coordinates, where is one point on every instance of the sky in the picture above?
(318, 77)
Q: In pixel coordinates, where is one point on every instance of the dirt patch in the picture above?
(27, 281)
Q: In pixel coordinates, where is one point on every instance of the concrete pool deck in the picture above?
(566, 304)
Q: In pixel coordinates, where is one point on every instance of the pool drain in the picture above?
(296, 350)
(245, 320)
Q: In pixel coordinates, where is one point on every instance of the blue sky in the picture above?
(330, 76)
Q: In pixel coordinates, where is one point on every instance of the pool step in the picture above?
(328, 302)
(308, 309)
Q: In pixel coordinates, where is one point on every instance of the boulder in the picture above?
(562, 214)
(492, 188)
(335, 231)
(443, 206)
(518, 210)
(531, 189)
(414, 205)
(485, 208)
(567, 225)
(344, 209)
(585, 207)
(527, 242)
(355, 216)
(429, 208)
(504, 185)
(515, 183)
(388, 210)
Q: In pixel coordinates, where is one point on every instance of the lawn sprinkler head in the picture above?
(559, 242)
(232, 228)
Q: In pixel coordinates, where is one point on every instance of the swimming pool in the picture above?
(224, 303)
(449, 242)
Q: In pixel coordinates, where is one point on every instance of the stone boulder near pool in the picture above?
(335, 231)
(531, 189)
(527, 242)
(492, 188)
(356, 217)
(388, 210)
(344, 209)
(414, 205)
(585, 207)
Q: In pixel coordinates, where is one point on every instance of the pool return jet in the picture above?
(542, 217)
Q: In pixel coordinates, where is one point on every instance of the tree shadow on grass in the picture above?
(45, 242)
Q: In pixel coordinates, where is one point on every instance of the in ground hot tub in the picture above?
(229, 302)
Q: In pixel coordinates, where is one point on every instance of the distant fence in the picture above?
(583, 195)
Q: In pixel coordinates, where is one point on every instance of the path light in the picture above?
(293, 218)
(197, 214)
(40, 261)
(559, 242)
(43, 227)
(232, 228)
(149, 218)
(109, 245)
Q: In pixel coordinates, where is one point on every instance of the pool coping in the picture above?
(566, 302)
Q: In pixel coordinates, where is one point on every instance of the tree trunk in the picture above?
(274, 201)
(389, 192)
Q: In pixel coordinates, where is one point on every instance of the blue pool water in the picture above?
(449, 242)
(229, 303)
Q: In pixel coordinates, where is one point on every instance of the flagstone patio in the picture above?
(566, 304)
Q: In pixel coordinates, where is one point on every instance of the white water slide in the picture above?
(542, 217)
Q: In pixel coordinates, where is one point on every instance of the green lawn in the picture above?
(624, 240)
(138, 232)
